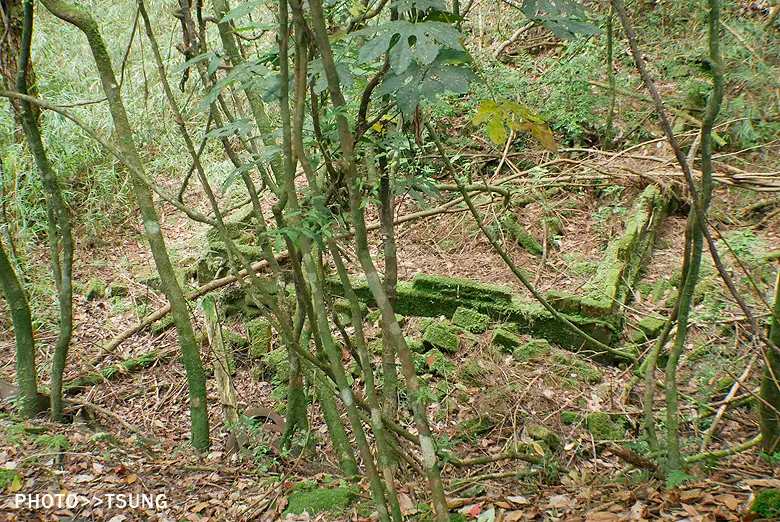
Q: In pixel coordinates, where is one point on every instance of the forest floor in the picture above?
(137, 442)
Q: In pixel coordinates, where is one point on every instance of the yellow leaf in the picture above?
(496, 130)
(16, 484)
(545, 137)
(487, 109)
(538, 449)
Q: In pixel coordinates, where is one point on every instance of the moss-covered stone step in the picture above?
(529, 317)
(461, 288)
(625, 257)
(524, 238)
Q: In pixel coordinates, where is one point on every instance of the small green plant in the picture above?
(56, 442)
(677, 478)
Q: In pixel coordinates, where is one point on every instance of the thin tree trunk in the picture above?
(393, 329)
(26, 376)
(770, 387)
(59, 230)
(168, 282)
(689, 284)
(386, 206)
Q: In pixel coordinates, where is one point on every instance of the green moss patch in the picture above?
(570, 417)
(532, 350)
(442, 337)
(433, 362)
(474, 426)
(767, 505)
(647, 329)
(118, 290)
(320, 500)
(96, 289)
(573, 367)
(472, 372)
(470, 320)
(603, 428)
(544, 434)
(260, 337)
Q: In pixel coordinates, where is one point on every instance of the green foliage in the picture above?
(677, 478)
(767, 504)
(565, 18)
(56, 442)
(426, 59)
(9, 477)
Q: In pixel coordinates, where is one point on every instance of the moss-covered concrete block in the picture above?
(461, 288)
(528, 317)
(260, 337)
(320, 500)
(524, 238)
(532, 350)
(474, 426)
(659, 290)
(598, 308)
(162, 325)
(470, 320)
(651, 326)
(375, 317)
(603, 428)
(564, 301)
(544, 434)
(233, 339)
(647, 329)
(278, 366)
(96, 289)
(505, 339)
(442, 337)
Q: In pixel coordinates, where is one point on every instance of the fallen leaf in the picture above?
(764, 483)
(692, 511)
(730, 501)
(559, 502)
(603, 516)
(691, 494)
(405, 502)
(513, 516)
(637, 511)
(520, 500)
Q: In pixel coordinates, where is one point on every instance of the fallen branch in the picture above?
(724, 452)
